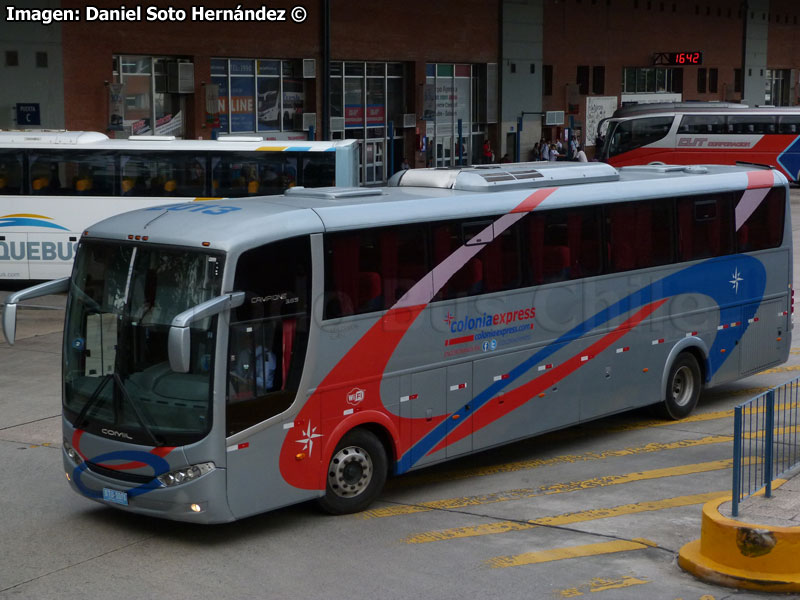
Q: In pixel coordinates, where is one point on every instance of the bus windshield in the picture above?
(627, 135)
(116, 367)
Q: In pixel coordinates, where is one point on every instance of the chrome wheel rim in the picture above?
(350, 472)
(682, 386)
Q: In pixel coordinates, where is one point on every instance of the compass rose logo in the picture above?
(308, 439)
(449, 319)
(737, 278)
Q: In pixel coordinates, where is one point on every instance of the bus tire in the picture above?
(684, 384)
(356, 473)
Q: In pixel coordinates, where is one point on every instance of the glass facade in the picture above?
(777, 87)
(452, 96)
(365, 97)
(639, 80)
(260, 95)
(148, 108)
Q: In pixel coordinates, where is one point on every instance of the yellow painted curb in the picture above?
(743, 555)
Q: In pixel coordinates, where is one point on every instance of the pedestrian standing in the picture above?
(488, 155)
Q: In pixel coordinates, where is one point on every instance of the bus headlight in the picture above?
(185, 474)
(72, 453)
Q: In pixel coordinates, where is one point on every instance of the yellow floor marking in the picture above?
(537, 463)
(777, 431)
(565, 519)
(532, 558)
(602, 585)
(780, 370)
(700, 417)
(556, 488)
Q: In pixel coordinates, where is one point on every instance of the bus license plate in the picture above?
(115, 496)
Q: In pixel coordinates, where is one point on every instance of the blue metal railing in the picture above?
(765, 440)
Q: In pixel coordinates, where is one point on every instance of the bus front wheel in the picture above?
(684, 384)
(356, 473)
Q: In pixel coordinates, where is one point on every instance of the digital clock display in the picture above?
(684, 58)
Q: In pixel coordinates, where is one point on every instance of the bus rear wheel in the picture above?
(684, 384)
(356, 473)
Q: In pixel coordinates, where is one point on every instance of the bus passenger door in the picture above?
(459, 409)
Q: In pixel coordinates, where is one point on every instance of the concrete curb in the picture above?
(743, 555)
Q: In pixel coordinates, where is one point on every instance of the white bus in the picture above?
(54, 184)
(228, 359)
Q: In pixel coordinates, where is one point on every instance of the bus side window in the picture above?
(764, 227)
(556, 251)
(563, 244)
(10, 172)
(469, 280)
(789, 124)
(703, 124)
(752, 124)
(503, 254)
(319, 169)
(639, 235)
(705, 226)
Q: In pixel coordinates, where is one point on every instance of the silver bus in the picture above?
(232, 357)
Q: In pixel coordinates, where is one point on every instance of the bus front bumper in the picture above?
(202, 500)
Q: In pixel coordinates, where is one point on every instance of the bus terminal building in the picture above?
(424, 82)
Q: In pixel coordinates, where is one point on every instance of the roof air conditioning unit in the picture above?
(337, 123)
(309, 68)
(180, 78)
(410, 120)
(554, 117)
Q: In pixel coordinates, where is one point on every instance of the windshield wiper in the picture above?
(139, 417)
(82, 416)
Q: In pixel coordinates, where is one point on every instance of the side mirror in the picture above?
(179, 346)
(57, 286)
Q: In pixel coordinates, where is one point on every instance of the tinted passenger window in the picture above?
(789, 124)
(10, 172)
(763, 228)
(470, 279)
(319, 169)
(370, 270)
(564, 244)
(705, 225)
(751, 124)
(640, 235)
(635, 133)
(71, 173)
(169, 174)
(503, 259)
(237, 174)
(703, 124)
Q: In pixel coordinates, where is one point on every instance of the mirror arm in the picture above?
(56, 286)
(179, 347)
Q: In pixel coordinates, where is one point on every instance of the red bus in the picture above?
(686, 133)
